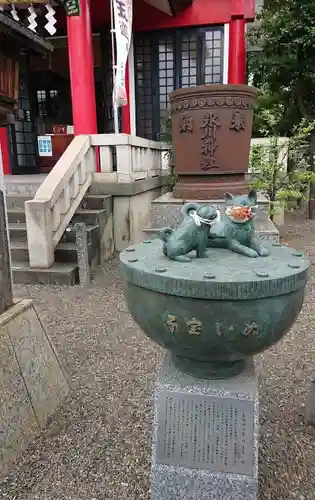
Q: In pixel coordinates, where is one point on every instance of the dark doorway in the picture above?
(22, 133)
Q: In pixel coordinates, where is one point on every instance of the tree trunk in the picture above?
(311, 203)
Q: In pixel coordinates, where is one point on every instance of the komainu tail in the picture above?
(189, 207)
(165, 233)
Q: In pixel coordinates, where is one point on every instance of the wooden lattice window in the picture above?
(170, 59)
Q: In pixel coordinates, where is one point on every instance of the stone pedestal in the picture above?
(205, 437)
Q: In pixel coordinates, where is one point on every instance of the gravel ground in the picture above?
(97, 446)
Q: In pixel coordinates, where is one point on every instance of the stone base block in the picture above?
(205, 437)
(32, 380)
(202, 188)
(166, 212)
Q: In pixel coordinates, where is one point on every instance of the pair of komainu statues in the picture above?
(202, 227)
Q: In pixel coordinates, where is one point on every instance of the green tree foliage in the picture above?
(285, 70)
(166, 138)
(285, 33)
(269, 166)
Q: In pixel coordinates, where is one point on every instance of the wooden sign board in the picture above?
(59, 129)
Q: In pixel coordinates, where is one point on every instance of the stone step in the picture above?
(64, 252)
(16, 215)
(58, 274)
(90, 216)
(23, 184)
(65, 270)
(95, 201)
(69, 236)
(18, 232)
(90, 201)
(17, 201)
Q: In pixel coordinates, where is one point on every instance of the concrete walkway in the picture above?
(97, 447)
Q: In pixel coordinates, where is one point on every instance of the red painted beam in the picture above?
(147, 17)
(178, 6)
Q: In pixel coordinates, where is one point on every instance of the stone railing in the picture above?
(57, 199)
(125, 158)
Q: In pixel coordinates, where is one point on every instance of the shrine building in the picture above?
(67, 92)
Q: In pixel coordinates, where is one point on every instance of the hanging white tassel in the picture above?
(14, 13)
(50, 16)
(32, 19)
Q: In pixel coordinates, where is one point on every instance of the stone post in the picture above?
(6, 295)
(83, 254)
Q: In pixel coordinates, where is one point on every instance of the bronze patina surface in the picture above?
(192, 234)
(214, 313)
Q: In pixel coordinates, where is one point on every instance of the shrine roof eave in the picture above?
(24, 36)
(178, 6)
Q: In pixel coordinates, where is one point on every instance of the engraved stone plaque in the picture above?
(205, 432)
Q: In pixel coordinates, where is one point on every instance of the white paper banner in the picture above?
(123, 29)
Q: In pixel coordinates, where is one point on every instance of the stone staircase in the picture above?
(94, 211)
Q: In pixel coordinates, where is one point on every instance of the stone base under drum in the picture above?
(205, 437)
(210, 187)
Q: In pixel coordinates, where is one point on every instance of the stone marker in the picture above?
(205, 437)
(33, 382)
(6, 295)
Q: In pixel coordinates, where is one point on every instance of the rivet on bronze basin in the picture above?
(209, 276)
(133, 260)
(261, 274)
(294, 266)
(297, 254)
(160, 269)
(130, 249)
(147, 241)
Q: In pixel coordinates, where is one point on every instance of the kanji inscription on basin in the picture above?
(205, 432)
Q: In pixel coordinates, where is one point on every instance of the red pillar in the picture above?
(237, 51)
(81, 66)
(4, 150)
(125, 110)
